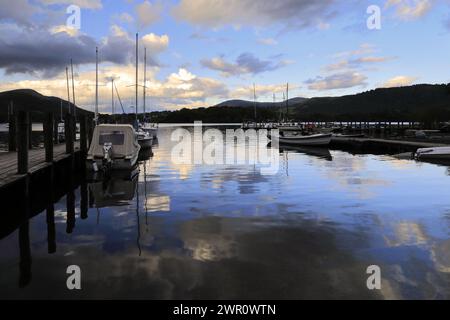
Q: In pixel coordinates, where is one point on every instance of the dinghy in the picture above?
(303, 140)
(437, 153)
(113, 146)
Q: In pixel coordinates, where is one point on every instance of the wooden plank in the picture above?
(36, 159)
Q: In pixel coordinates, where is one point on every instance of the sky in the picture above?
(202, 52)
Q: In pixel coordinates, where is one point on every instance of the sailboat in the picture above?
(144, 138)
(146, 125)
(113, 146)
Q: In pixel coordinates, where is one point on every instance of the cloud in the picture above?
(262, 91)
(124, 18)
(410, 9)
(268, 41)
(45, 53)
(219, 13)
(86, 4)
(356, 63)
(148, 13)
(18, 11)
(399, 81)
(337, 81)
(246, 63)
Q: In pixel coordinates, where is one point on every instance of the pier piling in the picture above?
(48, 137)
(23, 120)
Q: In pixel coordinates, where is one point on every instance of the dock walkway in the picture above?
(36, 161)
(385, 142)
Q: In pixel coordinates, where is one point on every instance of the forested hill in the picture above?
(419, 102)
(38, 104)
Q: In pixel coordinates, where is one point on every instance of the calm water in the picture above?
(185, 231)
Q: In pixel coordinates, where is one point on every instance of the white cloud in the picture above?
(399, 81)
(268, 41)
(148, 13)
(86, 4)
(337, 81)
(410, 9)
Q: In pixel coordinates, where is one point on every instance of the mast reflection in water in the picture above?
(222, 232)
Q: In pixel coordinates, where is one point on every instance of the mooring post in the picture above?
(12, 145)
(83, 136)
(30, 129)
(23, 119)
(68, 127)
(48, 137)
(55, 131)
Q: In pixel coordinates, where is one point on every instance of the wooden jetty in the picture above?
(21, 161)
(382, 144)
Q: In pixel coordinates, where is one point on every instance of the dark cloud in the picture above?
(246, 63)
(42, 53)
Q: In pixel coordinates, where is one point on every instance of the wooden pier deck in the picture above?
(36, 161)
(385, 142)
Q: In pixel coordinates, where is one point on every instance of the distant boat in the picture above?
(113, 146)
(303, 140)
(360, 135)
(437, 153)
(144, 138)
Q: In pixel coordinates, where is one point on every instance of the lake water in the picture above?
(228, 231)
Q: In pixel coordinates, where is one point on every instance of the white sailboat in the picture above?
(144, 138)
(113, 146)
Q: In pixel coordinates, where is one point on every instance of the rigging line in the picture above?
(120, 100)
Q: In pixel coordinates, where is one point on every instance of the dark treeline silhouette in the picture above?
(424, 103)
(38, 104)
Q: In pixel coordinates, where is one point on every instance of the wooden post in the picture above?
(23, 133)
(83, 136)
(48, 137)
(30, 129)
(12, 145)
(68, 127)
(55, 131)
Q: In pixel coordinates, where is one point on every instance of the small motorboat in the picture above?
(304, 140)
(113, 146)
(437, 153)
(145, 140)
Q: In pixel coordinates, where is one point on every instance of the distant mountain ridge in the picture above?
(246, 103)
(423, 102)
(33, 101)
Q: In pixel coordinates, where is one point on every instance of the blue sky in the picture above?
(202, 52)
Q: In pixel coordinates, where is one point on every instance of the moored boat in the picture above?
(304, 140)
(113, 146)
(437, 153)
(144, 138)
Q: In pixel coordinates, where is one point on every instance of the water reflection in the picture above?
(309, 231)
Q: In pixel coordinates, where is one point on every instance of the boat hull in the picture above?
(146, 143)
(440, 153)
(314, 140)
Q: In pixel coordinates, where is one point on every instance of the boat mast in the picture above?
(112, 95)
(68, 90)
(254, 99)
(73, 90)
(137, 74)
(145, 78)
(287, 100)
(61, 109)
(96, 85)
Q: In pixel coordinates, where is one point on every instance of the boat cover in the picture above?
(122, 137)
